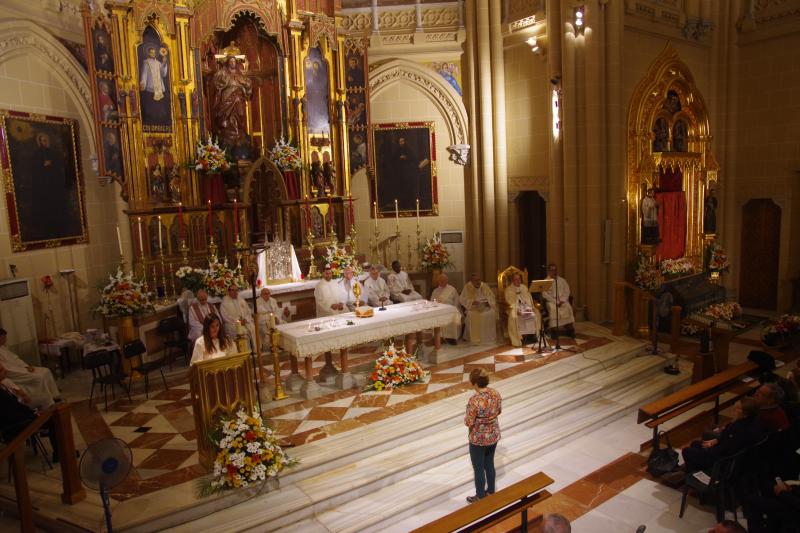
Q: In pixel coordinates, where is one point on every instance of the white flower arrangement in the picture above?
(285, 156)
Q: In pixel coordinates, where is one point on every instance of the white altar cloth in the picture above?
(318, 335)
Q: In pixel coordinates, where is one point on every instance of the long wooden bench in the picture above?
(493, 509)
(669, 407)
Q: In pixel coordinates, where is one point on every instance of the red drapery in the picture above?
(671, 225)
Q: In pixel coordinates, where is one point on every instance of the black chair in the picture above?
(105, 372)
(719, 487)
(136, 348)
(173, 335)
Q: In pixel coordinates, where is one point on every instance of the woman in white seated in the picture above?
(213, 342)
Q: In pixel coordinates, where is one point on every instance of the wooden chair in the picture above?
(504, 279)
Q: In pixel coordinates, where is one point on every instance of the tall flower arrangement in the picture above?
(394, 368)
(285, 156)
(337, 258)
(435, 254)
(192, 279)
(248, 453)
(123, 296)
(718, 259)
(219, 277)
(648, 276)
(210, 157)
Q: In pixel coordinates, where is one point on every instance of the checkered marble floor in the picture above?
(160, 429)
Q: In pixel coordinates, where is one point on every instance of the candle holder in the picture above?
(275, 338)
(397, 244)
(352, 238)
(173, 287)
(409, 264)
(419, 247)
(239, 247)
(184, 252)
(312, 270)
(212, 251)
(376, 257)
(165, 299)
(155, 282)
(144, 274)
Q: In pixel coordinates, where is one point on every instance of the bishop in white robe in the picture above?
(235, 311)
(557, 298)
(376, 289)
(523, 317)
(481, 310)
(400, 287)
(447, 294)
(198, 312)
(329, 296)
(36, 381)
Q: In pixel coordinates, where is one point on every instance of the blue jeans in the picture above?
(482, 458)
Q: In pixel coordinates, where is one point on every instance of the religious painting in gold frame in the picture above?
(42, 180)
(405, 169)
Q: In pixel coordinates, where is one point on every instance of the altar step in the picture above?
(374, 475)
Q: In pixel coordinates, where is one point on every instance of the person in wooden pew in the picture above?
(744, 431)
(771, 416)
(36, 381)
(17, 412)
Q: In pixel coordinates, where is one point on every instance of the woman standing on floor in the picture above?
(213, 342)
(483, 409)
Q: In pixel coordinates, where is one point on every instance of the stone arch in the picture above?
(25, 38)
(442, 94)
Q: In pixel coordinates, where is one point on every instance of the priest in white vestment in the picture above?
(481, 310)
(234, 311)
(557, 298)
(36, 381)
(400, 287)
(329, 296)
(523, 317)
(377, 292)
(447, 294)
(347, 284)
(268, 306)
(198, 311)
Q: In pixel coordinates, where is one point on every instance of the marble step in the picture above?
(378, 510)
(343, 449)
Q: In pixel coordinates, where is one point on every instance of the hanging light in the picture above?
(578, 20)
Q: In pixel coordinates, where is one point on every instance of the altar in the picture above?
(307, 338)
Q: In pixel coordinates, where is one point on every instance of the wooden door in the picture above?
(760, 251)
(532, 233)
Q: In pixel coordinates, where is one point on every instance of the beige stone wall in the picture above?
(31, 81)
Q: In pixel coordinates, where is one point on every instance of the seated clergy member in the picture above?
(377, 292)
(329, 296)
(18, 411)
(523, 317)
(39, 401)
(447, 294)
(198, 312)
(266, 305)
(234, 310)
(346, 285)
(400, 287)
(35, 381)
(481, 310)
(213, 343)
(565, 317)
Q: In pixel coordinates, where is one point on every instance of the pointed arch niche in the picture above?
(669, 150)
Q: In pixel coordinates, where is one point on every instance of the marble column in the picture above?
(500, 147)
(474, 236)
(484, 67)
(555, 204)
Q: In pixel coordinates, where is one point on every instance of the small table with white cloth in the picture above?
(339, 332)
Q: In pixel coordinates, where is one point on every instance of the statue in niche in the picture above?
(156, 184)
(328, 174)
(660, 135)
(672, 104)
(174, 180)
(680, 135)
(316, 175)
(710, 212)
(650, 218)
(317, 223)
(233, 91)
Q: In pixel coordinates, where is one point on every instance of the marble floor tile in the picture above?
(598, 522)
(653, 494)
(628, 510)
(308, 425)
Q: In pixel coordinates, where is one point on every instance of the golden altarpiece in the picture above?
(671, 170)
(247, 75)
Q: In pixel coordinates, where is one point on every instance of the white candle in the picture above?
(375, 210)
(396, 214)
(417, 211)
(160, 244)
(119, 241)
(272, 321)
(141, 242)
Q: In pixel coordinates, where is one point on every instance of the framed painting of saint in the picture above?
(315, 71)
(154, 83)
(102, 51)
(405, 168)
(42, 180)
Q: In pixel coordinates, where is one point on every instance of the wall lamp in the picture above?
(578, 23)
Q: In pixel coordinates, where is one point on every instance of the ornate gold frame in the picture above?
(698, 164)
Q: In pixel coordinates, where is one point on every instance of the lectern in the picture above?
(219, 388)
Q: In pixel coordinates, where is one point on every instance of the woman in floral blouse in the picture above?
(483, 409)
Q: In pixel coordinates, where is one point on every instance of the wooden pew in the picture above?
(494, 508)
(656, 413)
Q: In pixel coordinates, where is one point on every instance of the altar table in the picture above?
(325, 334)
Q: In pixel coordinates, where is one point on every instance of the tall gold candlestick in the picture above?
(212, 250)
(184, 252)
(173, 288)
(239, 247)
(397, 244)
(165, 299)
(275, 338)
(376, 257)
(409, 264)
(144, 274)
(312, 270)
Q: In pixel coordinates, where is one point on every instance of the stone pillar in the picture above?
(474, 228)
(484, 67)
(500, 147)
(555, 204)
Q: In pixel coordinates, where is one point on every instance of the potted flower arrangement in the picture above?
(647, 276)
(123, 296)
(192, 279)
(676, 268)
(435, 255)
(285, 156)
(724, 311)
(781, 331)
(219, 277)
(718, 259)
(394, 368)
(212, 161)
(248, 453)
(337, 258)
